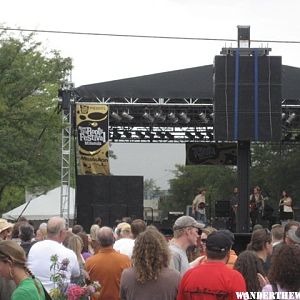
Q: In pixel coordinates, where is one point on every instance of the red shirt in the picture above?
(207, 280)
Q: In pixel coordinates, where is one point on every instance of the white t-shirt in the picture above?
(39, 261)
(124, 246)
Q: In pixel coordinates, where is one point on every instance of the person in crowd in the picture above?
(205, 233)
(186, 232)
(257, 204)
(107, 265)
(93, 243)
(39, 256)
(75, 244)
(250, 266)
(85, 249)
(232, 255)
(137, 226)
(284, 275)
(41, 233)
(124, 244)
(5, 229)
(15, 231)
(26, 234)
(261, 243)
(7, 285)
(213, 278)
(277, 233)
(150, 277)
(13, 266)
(285, 207)
(77, 228)
(198, 206)
(293, 236)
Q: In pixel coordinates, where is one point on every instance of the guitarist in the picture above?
(256, 205)
(198, 206)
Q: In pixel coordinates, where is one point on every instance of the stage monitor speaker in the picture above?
(247, 98)
(108, 197)
(222, 208)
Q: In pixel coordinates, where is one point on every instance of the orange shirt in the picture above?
(106, 267)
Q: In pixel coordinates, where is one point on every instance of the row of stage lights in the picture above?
(160, 135)
(159, 117)
(174, 118)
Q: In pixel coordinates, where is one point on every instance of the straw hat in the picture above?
(5, 225)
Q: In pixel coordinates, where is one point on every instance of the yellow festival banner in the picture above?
(92, 136)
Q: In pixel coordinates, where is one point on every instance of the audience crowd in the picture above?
(134, 261)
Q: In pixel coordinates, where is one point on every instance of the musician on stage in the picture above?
(257, 203)
(198, 206)
(285, 207)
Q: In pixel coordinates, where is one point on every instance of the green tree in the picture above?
(30, 125)
(151, 190)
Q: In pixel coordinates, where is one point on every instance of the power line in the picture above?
(143, 36)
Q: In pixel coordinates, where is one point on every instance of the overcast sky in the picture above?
(99, 58)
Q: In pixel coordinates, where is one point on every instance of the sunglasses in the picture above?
(203, 241)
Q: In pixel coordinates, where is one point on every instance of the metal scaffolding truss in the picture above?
(169, 120)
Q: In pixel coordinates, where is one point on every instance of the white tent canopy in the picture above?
(42, 207)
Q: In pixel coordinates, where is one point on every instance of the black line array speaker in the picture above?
(247, 98)
(108, 197)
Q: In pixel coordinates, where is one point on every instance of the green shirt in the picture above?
(27, 290)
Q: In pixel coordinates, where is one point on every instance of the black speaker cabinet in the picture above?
(247, 98)
(222, 208)
(108, 197)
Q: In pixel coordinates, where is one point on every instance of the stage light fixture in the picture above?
(172, 117)
(212, 116)
(283, 115)
(210, 136)
(115, 116)
(169, 136)
(160, 134)
(190, 135)
(127, 134)
(116, 134)
(291, 118)
(203, 118)
(140, 135)
(183, 116)
(148, 117)
(149, 134)
(159, 117)
(288, 136)
(200, 135)
(125, 115)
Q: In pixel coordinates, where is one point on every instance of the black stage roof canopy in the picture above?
(186, 83)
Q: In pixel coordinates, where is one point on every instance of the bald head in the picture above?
(55, 226)
(105, 237)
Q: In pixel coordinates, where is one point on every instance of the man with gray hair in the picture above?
(107, 265)
(39, 257)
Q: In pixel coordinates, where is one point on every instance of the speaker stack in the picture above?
(247, 98)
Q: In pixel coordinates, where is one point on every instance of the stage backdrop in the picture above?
(108, 197)
(92, 136)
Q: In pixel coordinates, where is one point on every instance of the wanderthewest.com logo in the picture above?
(268, 295)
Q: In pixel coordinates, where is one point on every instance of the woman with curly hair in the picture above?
(150, 277)
(284, 275)
(250, 266)
(13, 266)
